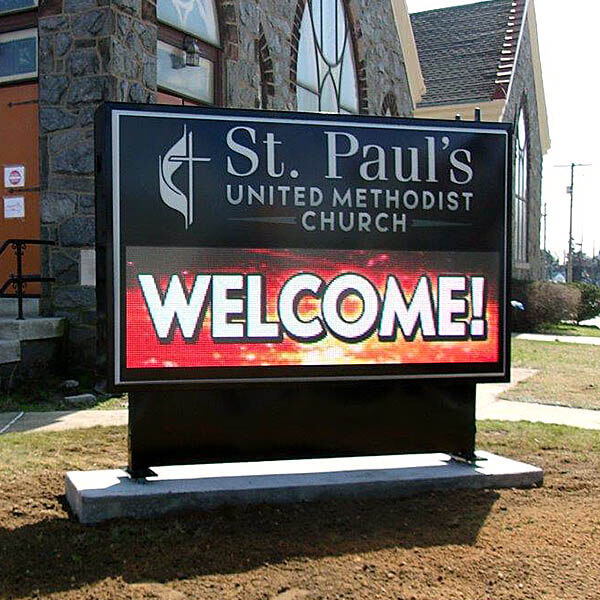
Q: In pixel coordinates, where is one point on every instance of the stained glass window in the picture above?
(8, 6)
(196, 17)
(326, 73)
(18, 55)
(521, 204)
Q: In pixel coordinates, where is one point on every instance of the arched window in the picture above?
(326, 78)
(265, 64)
(521, 203)
(390, 106)
(188, 53)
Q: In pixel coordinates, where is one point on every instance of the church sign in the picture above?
(246, 246)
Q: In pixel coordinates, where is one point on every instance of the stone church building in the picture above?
(486, 56)
(60, 59)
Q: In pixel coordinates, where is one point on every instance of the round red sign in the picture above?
(14, 177)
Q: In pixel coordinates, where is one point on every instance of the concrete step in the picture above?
(8, 307)
(36, 328)
(10, 351)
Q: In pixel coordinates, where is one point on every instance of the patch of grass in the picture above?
(568, 374)
(38, 395)
(9, 403)
(106, 447)
(570, 329)
(113, 403)
(95, 448)
(44, 395)
(522, 439)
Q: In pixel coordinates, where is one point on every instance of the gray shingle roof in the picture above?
(460, 49)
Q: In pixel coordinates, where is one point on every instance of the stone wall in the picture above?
(89, 51)
(383, 58)
(523, 94)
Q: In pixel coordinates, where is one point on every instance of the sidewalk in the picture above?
(60, 420)
(567, 339)
(489, 407)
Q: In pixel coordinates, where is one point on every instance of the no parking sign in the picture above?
(14, 176)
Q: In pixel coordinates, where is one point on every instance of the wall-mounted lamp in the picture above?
(192, 52)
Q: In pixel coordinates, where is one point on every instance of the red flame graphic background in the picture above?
(145, 350)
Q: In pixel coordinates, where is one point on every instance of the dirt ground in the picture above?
(496, 545)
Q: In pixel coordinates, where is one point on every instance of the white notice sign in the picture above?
(14, 176)
(88, 268)
(14, 207)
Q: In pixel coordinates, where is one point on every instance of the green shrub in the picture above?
(589, 305)
(545, 302)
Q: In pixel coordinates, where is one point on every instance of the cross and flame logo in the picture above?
(180, 153)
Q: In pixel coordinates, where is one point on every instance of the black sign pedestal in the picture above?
(309, 421)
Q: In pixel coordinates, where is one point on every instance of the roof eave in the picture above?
(539, 80)
(536, 61)
(491, 110)
(416, 82)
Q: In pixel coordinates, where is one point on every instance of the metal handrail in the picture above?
(20, 281)
(32, 242)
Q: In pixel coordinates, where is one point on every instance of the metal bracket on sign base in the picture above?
(141, 474)
(469, 458)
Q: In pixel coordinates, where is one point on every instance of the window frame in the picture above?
(26, 18)
(17, 23)
(521, 191)
(189, 78)
(18, 11)
(176, 37)
(350, 32)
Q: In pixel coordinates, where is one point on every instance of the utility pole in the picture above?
(545, 259)
(580, 258)
(572, 166)
(544, 216)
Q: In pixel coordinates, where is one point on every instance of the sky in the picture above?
(568, 39)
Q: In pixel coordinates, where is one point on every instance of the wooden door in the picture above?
(19, 146)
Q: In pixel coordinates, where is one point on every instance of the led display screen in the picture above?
(248, 246)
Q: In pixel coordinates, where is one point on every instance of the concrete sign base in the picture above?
(96, 496)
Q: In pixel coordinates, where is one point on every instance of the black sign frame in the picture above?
(111, 261)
